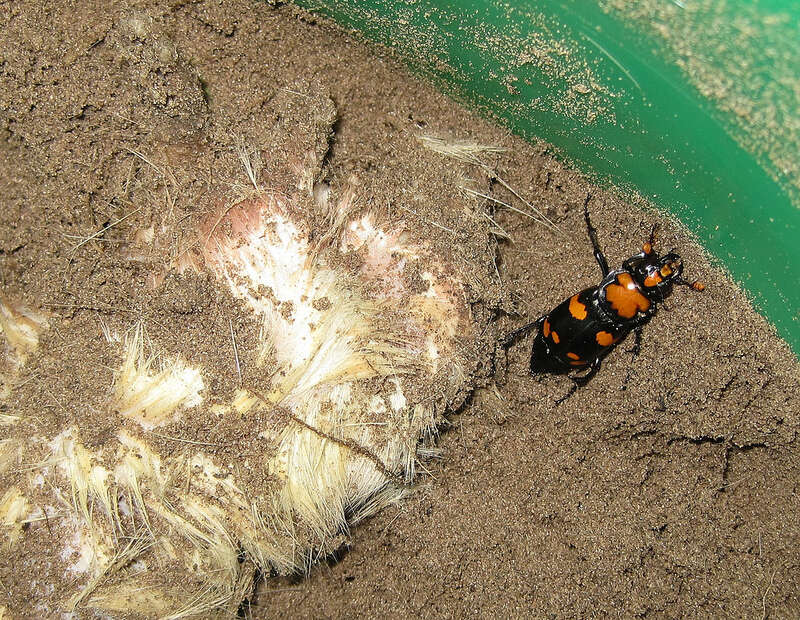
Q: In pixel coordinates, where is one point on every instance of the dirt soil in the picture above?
(666, 487)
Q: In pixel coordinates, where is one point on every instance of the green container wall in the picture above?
(695, 107)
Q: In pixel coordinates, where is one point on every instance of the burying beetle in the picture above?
(584, 328)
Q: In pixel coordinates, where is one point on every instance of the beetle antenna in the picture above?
(652, 239)
(598, 253)
(695, 286)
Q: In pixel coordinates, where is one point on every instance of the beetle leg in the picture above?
(520, 332)
(598, 253)
(637, 343)
(582, 380)
(571, 391)
(642, 320)
(637, 347)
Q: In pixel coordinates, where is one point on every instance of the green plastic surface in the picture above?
(602, 89)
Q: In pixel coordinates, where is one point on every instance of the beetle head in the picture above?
(655, 274)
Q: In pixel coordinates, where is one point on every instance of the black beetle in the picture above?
(580, 331)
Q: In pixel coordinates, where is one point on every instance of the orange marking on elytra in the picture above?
(546, 328)
(554, 334)
(576, 308)
(604, 339)
(625, 297)
(573, 356)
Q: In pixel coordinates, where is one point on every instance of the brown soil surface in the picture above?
(674, 497)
